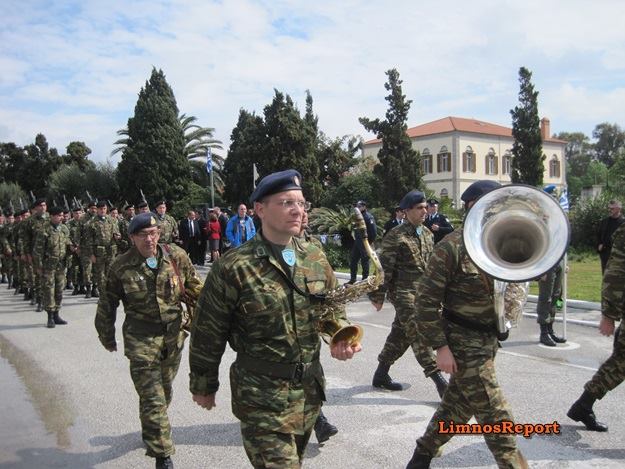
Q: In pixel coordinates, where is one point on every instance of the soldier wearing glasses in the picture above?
(148, 280)
(257, 299)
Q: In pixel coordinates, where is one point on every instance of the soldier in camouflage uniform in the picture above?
(612, 372)
(124, 240)
(169, 226)
(84, 250)
(256, 298)
(8, 248)
(404, 255)
(51, 248)
(465, 339)
(4, 263)
(74, 265)
(145, 280)
(103, 234)
(20, 259)
(33, 228)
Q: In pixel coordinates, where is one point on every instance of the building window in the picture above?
(468, 160)
(426, 162)
(506, 164)
(444, 194)
(554, 167)
(491, 162)
(443, 162)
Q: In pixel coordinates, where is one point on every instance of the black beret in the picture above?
(277, 182)
(142, 204)
(8, 213)
(160, 202)
(411, 199)
(92, 203)
(101, 203)
(55, 211)
(142, 221)
(38, 202)
(128, 206)
(433, 202)
(478, 189)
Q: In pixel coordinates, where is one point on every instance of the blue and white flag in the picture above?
(209, 160)
(564, 200)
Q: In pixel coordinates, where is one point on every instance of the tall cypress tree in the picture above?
(527, 163)
(399, 169)
(154, 157)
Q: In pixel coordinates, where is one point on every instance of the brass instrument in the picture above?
(329, 328)
(515, 233)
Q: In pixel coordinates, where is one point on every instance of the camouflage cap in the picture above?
(277, 182)
(478, 189)
(142, 221)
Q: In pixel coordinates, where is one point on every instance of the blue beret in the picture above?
(478, 189)
(411, 199)
(550, 189)
(277, 182)
(142, 221)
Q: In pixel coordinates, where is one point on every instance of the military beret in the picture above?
(128, 206)
(92, 203)
(160, 202)
(277, 182)
(101, 203)
(142, 204)
(38, 202)
(478, 189)
(55, 210)
(433, 202)
(8, 213)
(411, 199)
(362, 203)
(142, 221)
(550, 189)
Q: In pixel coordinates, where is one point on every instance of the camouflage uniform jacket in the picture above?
(74, 227)
(124, 241)
(169, 228)
(151, 300)
(100, 235)
(52, 244)
(404, 256)
(32, 229)
(612, 293)
(452, 279)
(85, 244)
(247, 303)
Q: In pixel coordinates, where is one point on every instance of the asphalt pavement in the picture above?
(68, 403)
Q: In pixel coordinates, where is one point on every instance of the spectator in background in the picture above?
(358, 249)
(213, 235)
(255, 218)
(201, 251)
(240, 227)
(222, 218)
(436, 222)
(393, 222)
(606, 229)
(189, 231)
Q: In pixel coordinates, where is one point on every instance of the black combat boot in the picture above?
(381, 378)
(581, 411)
(94, 292)
(58, 319)
(76, 290)
(164, 463)
(87, 291)
(69, 286)
(3, 279)
(33, 297)
(419, 460)
(555, 338)
(545, 338)
(82, 290)
(440, 382)
(10, 282)
(50, 324)
(26, 294)
(39, 308)
(324, 429)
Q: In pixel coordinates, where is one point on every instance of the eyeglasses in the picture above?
(147, 234)
(289, 204)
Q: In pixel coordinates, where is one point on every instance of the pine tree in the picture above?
(399, 169)
(527, 163)
(154, 156)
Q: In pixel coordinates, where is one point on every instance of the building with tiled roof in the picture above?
(457, 151)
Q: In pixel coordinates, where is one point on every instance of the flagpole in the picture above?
(209, 170)
(212, 191)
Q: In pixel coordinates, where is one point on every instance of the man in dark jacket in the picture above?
(398, 219)
(358, 249)
(437, 222)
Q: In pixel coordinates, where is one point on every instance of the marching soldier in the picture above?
(150, 281)
(103, 233)
(124, 240)
(465, 339)
(24, 277)
(75, 267)
(257, 298)
(405, 252)
(8, 248)
(84, 250)
(51, 248)
(32, 229)
(169, 226)
(612, 372)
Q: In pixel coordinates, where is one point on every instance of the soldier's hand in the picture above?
(606, 326)
(445, 360)
(92, 259)
(207, 402)
(377, 306)
(435, 227)
(344, 351)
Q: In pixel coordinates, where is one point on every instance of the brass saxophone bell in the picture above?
(332, 332)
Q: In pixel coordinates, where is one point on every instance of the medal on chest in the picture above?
(289, 257)
(152, 262)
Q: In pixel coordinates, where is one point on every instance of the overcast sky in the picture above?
(72, 69)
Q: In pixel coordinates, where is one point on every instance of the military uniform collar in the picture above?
(137, 259)
(263, 249)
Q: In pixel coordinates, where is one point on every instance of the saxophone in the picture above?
(334, 300)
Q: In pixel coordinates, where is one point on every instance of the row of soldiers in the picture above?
(43, 252)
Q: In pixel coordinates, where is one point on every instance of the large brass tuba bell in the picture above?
(331, 332)
(515, 233)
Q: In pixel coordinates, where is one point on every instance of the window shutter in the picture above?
(496, 161)
(438, 163)
(464, 162)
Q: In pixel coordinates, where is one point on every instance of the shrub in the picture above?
(338, 256)
(585, 221)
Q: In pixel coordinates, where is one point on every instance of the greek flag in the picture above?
(209, 160)
(564, 200)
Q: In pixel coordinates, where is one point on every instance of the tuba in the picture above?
(329, 328)
(514, 234)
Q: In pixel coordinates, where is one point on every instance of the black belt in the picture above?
(292, 371)
(467, 323)
(154, 327)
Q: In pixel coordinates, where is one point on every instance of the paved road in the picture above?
(66, 402)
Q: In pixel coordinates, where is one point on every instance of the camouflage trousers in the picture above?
(611, 373)
(101, 269)
(273, 450)
(74, 270)
(53, 283)
(87, 266)
(396, 343)
(549, 290)
(473, 391)
(153, 382)
(27, 276)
